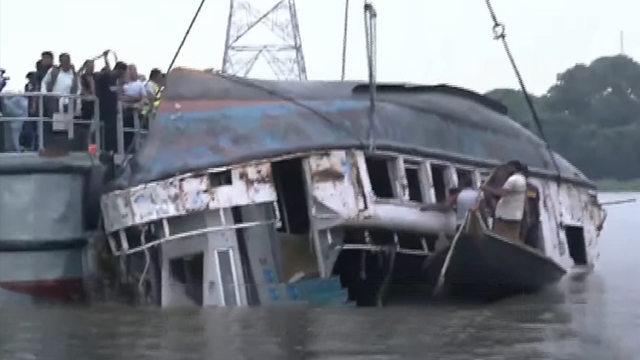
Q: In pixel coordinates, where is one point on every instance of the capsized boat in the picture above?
(256, 192)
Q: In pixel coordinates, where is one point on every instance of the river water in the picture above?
(588, 316)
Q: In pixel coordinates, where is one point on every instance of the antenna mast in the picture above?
(285, 58)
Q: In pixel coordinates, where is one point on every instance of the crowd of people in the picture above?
(114, 83)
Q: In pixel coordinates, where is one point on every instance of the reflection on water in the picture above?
(588, 316)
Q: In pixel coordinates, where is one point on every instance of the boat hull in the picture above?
(31, 277)
(484, 265)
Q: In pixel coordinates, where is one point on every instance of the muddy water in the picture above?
(588, 316)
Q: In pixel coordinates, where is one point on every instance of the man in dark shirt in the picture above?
(108, 83)
(43, 65)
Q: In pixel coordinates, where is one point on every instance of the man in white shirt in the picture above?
(510, 207)
(134, 89)
(61, 80)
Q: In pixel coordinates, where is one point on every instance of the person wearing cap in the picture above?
(510, 208)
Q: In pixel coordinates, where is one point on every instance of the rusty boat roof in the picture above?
(208, 120)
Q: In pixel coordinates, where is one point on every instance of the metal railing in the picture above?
(137, 127)
(64, 113)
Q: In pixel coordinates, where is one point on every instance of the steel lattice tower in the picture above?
(285, 58)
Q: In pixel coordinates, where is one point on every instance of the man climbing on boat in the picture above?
(510, 208)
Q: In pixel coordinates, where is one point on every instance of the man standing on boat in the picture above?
(510, 207)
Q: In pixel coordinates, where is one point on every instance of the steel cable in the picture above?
(499, 34)
(131, 146)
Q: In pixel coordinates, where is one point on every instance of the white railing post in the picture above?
(136, 125)
(120, 128)
(96, 124)
(40, 123)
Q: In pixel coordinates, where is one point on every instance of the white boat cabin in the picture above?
(239, 234)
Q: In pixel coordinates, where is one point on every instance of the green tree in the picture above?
(591, 116)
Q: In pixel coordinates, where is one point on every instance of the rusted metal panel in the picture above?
(255, 175)
(115, 211)
(196, 193)
(335, 183)
(250, 184)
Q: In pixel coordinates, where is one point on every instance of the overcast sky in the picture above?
(428, 41)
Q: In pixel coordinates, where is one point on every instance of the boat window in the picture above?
(289, 179)
(438, 174)
(220, 178)
(465, 174)
(412, 173)
(380, 177)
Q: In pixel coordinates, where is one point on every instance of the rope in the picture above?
(131, 146)
(344, 39)
(499, 34)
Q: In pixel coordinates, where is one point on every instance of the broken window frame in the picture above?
(392, 163)
(475, 178)
(424, 177)
(450, 177)
(483, 175)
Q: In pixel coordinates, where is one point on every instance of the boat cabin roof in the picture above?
(209, 120)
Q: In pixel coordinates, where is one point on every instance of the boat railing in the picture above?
(29, 120)
(136, 126)
(122, 247)
(212, 194)
(369, 246)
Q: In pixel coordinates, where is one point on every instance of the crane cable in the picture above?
(130, 149)
(499, 34)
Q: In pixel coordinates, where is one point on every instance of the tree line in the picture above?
(591, 116)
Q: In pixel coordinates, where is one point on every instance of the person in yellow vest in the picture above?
(154, 88)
